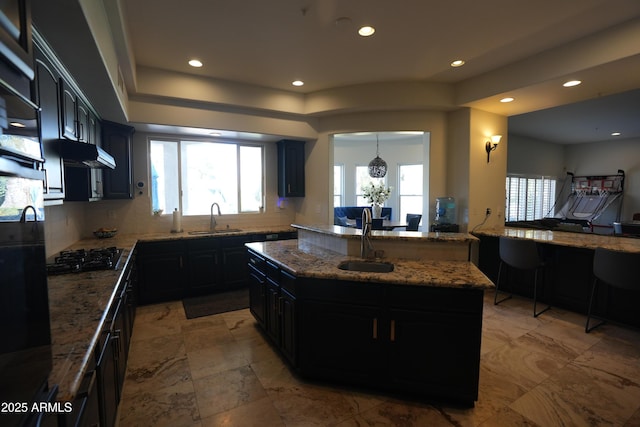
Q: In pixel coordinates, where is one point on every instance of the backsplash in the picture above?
(64, 225)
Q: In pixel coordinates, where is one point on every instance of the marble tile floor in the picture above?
(220, 371)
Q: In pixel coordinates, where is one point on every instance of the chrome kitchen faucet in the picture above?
(213, 222)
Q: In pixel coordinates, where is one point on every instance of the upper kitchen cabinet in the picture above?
(290, 168)
(47, 96)
(79, 122)
(116, 140)
(16, 45)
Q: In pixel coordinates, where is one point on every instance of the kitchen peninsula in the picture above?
(416, 329)
(92, 316)
(568, 272)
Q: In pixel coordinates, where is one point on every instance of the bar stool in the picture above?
(616, 269)
(523, 255)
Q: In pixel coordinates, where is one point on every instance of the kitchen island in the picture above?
(568, 272)
(414, 330)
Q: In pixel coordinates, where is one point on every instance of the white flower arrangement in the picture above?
(376, 194)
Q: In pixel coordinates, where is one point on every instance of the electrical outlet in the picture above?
(488, 212)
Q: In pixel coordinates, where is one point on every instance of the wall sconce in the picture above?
(492, 144)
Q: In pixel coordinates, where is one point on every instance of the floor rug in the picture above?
(216, 303)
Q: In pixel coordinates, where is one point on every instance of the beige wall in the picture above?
(457, 168)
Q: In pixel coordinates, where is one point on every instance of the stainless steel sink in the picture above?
(366, 266)
(219, 231)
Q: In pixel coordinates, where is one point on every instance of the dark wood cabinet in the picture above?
(116, 140)
(69, 109)
(257, 289)
(273, 303)
(414, 339)
(291, 179)
(47, 92)
(203, 260)
(161, 271)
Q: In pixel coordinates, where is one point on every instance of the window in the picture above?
(204, 172)
(530, 198)
(338, 185)
(363, 178)
(410, 189)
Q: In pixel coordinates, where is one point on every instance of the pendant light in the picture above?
(377, 166)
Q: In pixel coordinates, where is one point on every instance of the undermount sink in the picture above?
(220, 231)
(366, 266)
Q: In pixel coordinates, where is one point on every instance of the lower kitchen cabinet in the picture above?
(161, 271)
(273, 304)
(341, 342)
(413, 339)
(203, 265)
(170, 270)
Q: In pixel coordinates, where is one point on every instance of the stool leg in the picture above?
(588, 329)
(535, 296)
(495, 296)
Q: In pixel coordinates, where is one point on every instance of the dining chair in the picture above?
(413, 221)
(521, 254)
(616, 269)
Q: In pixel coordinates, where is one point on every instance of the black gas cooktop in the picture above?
(80, 260)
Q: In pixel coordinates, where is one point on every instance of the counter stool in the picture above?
(616, 269)
(523, 255)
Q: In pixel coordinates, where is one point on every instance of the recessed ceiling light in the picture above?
(615, 134)
(195, 63)
(507, 99)
(457, 63)
(571, 83)
(297, 83)
(366, 31)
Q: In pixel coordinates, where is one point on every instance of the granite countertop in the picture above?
(78, 304)
(566, 238)
(312, 261)
(356, 233)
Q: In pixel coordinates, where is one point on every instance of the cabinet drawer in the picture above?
(288, 282)
(257, 262)
(160, 247)
(436, 299)
(272, 271)
(204, 244)
(360, 293)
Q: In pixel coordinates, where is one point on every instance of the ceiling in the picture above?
(523, 49)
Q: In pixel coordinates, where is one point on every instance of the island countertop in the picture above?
(356, 233)
(315, 262)
(565, 238)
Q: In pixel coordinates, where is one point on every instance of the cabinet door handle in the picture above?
(46, 181)
(393, 331)
(375, 328)
(288, 188)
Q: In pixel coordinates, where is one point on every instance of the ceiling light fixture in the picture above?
(615, 134)
(377, 166)
(196, 63)
(297, 83)
(17, 125)
(366, 31)
(457, 63)
(571, 83)
(507, 99)
(492, 144)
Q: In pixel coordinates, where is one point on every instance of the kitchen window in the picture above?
(530, 198)
(338, 185)
(204, 172)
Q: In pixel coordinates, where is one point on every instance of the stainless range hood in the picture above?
(85, 155)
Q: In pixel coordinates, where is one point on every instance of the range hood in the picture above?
(85, 155)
